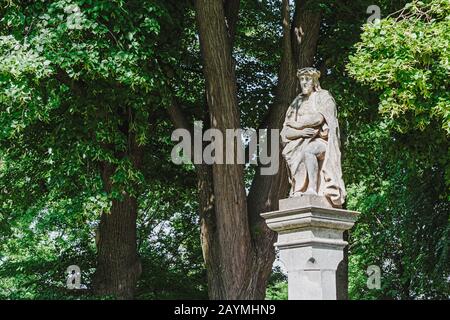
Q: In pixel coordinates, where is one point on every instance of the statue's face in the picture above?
(307, 84)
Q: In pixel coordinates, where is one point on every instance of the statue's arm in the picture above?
(307, 121)
(289, 133)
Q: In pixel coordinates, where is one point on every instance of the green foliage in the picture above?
(258, 52)
(394, 169)
(396, 157)
(78, 79)
(169, 246)
(78, 76)
(404, 224)
(277, 289)
(406, 58)
(37, 249)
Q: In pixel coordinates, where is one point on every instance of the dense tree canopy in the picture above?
(91, 90)
(404, 227)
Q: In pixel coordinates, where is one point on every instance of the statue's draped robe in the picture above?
(330, 182)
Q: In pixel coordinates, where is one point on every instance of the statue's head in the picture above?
(309, 80)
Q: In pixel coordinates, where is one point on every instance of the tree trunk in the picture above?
(230, 204)
(237, 245)
(267, 190)
(209, 236)
(118, 263)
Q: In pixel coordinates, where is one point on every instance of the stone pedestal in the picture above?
(310, 241)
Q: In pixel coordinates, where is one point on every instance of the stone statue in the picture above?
(311, 142)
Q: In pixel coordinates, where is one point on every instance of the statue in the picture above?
(311, 142)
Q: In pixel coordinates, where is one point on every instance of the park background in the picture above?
(91, 90)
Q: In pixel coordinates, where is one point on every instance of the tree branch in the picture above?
(267, 190)
(177, 116)
(231, 8)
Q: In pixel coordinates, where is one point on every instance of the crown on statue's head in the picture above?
(309, 71)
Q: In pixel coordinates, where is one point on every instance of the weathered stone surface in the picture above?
(304, 200)
(310, 223)
(311, 142)
(311, 244)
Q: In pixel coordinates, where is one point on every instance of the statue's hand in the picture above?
(308, 132)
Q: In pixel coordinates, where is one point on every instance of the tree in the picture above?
(90, 92)
(237, 245)
(405, 58)
(79, 81)
(404, 225)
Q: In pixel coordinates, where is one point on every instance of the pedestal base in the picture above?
(311, 244)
